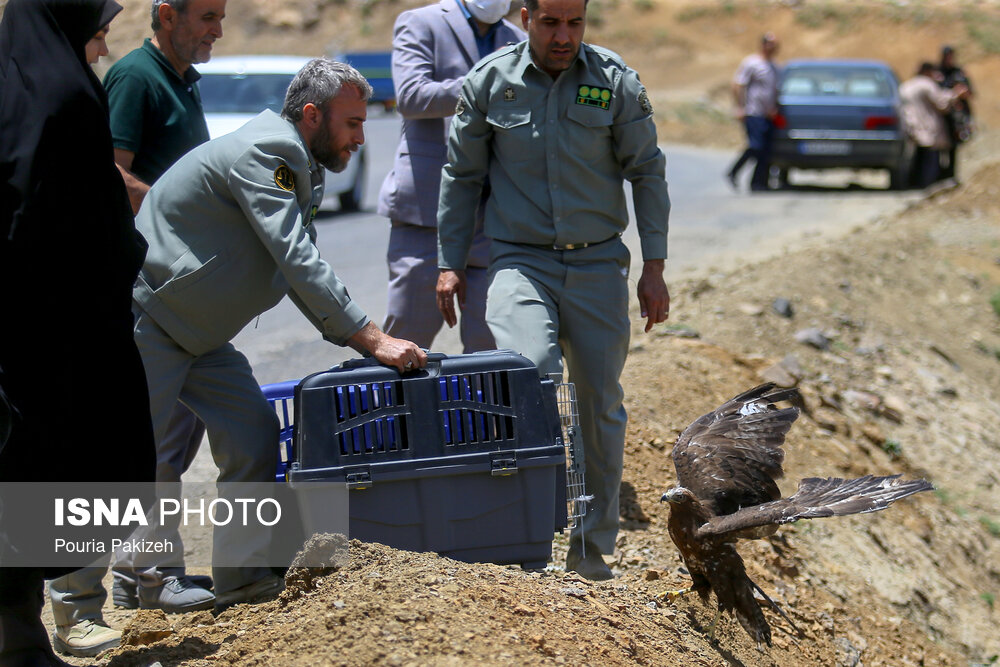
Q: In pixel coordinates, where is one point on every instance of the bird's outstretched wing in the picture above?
(730, 457)
(817, 497)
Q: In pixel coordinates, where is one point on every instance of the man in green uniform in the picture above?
(557, 126)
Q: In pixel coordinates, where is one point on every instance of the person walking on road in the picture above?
(755, 92)
(433, 48)
(557, 126)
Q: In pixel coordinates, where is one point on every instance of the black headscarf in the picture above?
(61, 193)
(69, 254)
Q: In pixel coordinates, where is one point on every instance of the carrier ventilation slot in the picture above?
(359, 428)
(476, 408)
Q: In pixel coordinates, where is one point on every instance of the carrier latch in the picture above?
(503, 463)
(358, 477)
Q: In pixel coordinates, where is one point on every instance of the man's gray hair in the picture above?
(180, 6)
(318, 82)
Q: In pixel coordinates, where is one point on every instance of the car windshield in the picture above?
(243, 93)
(837, 82)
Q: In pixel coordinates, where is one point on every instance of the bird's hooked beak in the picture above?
(673, 495)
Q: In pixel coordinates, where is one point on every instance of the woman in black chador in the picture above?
(69, 254)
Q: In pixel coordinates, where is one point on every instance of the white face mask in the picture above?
(488, 11)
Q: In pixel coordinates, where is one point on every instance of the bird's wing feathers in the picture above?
(817, 497)
(731, 456)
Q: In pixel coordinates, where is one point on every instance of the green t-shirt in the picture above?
(155, 112)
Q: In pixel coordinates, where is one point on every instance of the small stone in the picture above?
(894, 407)
(874, 434)
(783, 307)
(573, 591)
(779, 376)
(751, 309)
(863, 399)
(814, 337)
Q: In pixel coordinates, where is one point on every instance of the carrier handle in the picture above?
(433, 363)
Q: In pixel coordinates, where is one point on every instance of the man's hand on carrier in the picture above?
(654, 299)
(450, 284)
(402, 354)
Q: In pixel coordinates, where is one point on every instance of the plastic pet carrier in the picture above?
(470, 457)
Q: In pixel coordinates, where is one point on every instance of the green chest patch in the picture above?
(592, 96)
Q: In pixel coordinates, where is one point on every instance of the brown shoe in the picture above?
(591, 566)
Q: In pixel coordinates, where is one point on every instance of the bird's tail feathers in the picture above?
(774, 605)
(748, 611)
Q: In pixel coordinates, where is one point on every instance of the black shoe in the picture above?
(176, 595)
(125, 593)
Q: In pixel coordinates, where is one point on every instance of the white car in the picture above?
(234, 89)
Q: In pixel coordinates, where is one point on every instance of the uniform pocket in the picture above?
(513, 134)
(589, 133)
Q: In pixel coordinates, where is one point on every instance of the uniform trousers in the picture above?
(411, 308)
(549, 304)
(80, 595)
(219, 387)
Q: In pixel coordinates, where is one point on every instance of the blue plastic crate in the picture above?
(281, 396)
(466, 457)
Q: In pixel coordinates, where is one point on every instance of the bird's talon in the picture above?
(673, 595)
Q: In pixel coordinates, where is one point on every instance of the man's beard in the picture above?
(320, 148)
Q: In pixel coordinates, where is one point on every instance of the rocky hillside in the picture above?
(893, 336)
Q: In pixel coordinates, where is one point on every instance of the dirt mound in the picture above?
(907, 383)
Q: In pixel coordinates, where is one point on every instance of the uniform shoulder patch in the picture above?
(284, 178)
(460, 106)
(647, 106)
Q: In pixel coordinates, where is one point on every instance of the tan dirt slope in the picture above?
(909, 384)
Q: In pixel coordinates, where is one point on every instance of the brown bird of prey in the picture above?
(727, 462)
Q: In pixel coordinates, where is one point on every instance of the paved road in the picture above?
(711, 228)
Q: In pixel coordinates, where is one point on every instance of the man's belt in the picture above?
(570, 246)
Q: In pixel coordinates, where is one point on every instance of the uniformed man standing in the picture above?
(230, 234)
(557, 126)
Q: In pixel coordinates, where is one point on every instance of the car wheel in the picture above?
(350, 201)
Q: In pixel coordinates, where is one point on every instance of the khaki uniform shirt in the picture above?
(556, 153)
(230, 234)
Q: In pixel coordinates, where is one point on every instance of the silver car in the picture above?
(234, 89)
(840, 114)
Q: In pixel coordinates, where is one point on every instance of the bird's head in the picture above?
(676, 495)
